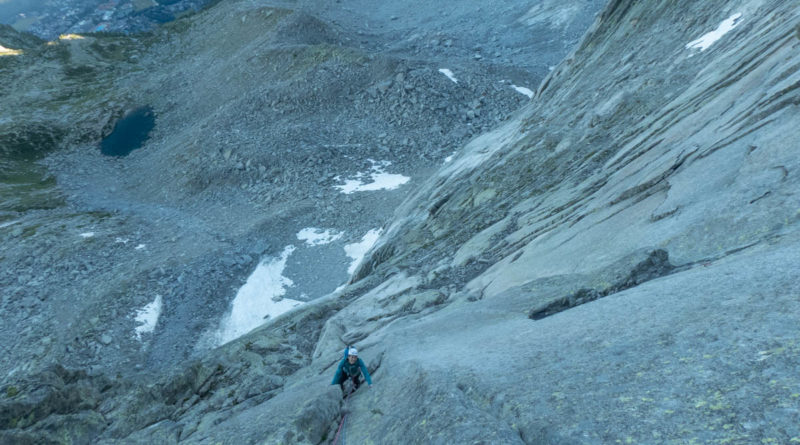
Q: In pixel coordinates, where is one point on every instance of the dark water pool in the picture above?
(129, 133)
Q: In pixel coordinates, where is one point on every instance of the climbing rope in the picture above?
(341, 424)
(342, 429)
(344, 434)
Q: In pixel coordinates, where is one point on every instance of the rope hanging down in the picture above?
(341, 424)
(342, 428)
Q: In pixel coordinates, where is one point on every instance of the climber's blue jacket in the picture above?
(351, 370)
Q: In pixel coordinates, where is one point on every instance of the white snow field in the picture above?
(375, 179)
(449, 74)
(318, 237)
(526, 91)
(147, 317)
(259, 299)
(356, 251)
(704, 42)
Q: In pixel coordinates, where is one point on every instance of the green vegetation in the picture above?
(58, 51)
(30, 230)
(98, 215)
(29, 143)
(12, 391)
(179, 25)
(80, 72)
(25, 186)
(47, 109)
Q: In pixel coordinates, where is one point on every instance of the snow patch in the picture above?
(379, 180)
(317, 237)
(704, 42)
(449, 74)
(523, 90)
(87, 235)
(147, 317)
(449, 158)
(356, 251)
(259, 298)
(140, 247)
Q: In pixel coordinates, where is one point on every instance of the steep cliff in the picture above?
(622, 254)
(615, 263)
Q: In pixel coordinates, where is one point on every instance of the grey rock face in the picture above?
(621, 150)
(615, 263)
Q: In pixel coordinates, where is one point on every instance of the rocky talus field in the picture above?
(591, 237)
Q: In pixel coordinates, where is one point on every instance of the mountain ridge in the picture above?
(612, 263)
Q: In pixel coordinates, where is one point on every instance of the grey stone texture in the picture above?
(615, 262)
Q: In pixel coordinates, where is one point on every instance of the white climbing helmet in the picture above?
(352, 351)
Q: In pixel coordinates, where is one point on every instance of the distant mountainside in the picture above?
(13, 39)
(613, 261)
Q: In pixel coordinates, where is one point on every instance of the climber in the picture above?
(351, 367)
